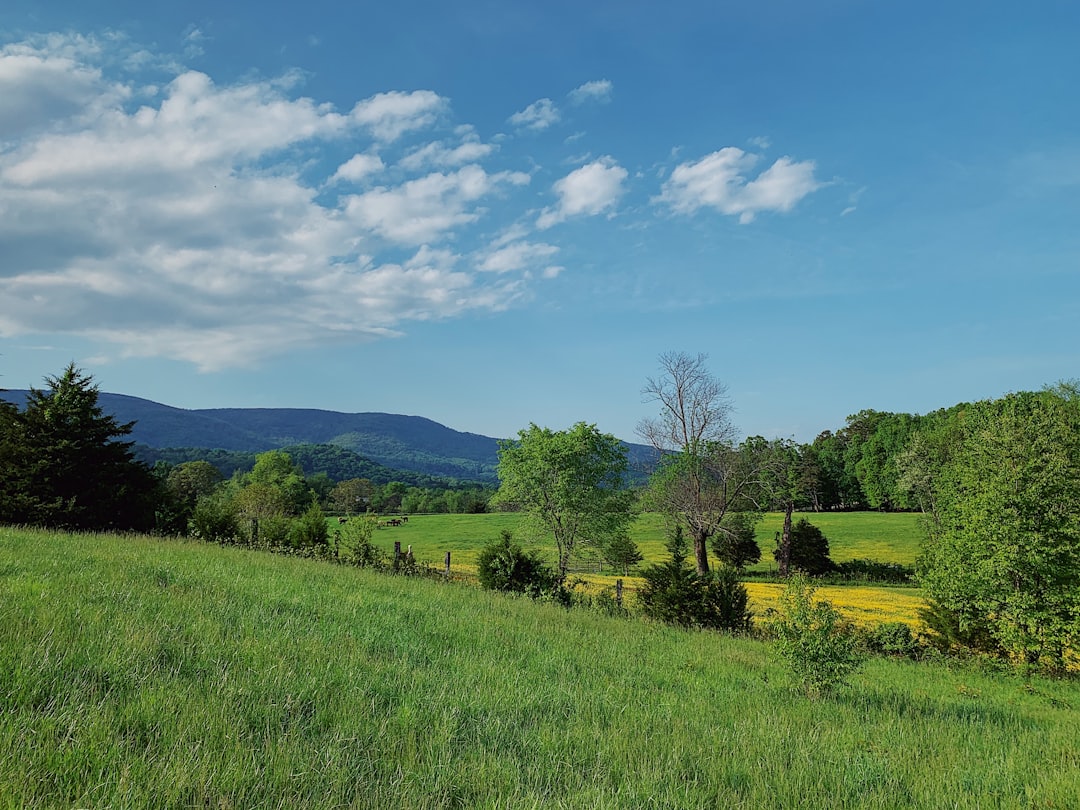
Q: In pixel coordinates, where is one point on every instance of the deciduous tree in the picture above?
(570, 484)
(700, 476)
(1004, 550)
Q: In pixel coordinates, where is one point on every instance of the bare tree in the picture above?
(701, 475)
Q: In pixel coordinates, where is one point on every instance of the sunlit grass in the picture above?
(142, 673)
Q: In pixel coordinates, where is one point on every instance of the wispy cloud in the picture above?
(537, 116)
(721, 181)
(593, 189)
(598, 91)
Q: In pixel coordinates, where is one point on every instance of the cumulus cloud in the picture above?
(421, 210)
(594, 91)
(391, 115)
(537, 116)
(359, 167)
(193, 220)
(720, 181)
(590, 190)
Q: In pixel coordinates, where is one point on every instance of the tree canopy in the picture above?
(1004, 548)
(570, 484)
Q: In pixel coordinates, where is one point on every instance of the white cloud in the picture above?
(359, 167)
(537, 116)
(517, 256)
(442, 156)
(590, 190)
(421, 210)
(391, 115)
(194, 227)
(37, 87)
(760, 141)
(720, 181)
(596, 91)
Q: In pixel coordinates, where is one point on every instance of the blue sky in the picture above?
(492, 214)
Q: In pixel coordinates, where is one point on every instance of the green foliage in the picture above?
(569, 484)
(65, 465)
(893, 638)
(503, 565)
(864, 570)
(356, 537)
(675, 593)
(809, 549)
(622, 553)
(1004, 547)
(735, 543)
(950, 630)
(215, 519)
(309, 530)
(811, 639)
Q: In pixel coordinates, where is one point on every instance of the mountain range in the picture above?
(410, 443)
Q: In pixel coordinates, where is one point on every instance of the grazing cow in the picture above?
(342, 520)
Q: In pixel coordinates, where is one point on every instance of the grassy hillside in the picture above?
(141, 673)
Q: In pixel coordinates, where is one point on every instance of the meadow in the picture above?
(138, 672)
(886, 537)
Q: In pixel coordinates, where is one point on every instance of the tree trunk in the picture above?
(785, 541)
(701, 552)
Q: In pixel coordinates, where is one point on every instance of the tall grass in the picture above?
(141, 673)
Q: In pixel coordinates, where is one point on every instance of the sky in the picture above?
(492, 214)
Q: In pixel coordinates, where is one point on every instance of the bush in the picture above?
(674, 593)
(812, 641)
(356, 535)
(809, 549)
(892, 638)
(875, 571)
(309, 530)
(214, 520)
(735, 544)
(503, 565)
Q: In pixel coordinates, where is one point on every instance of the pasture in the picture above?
(137, 672)
(886, 537)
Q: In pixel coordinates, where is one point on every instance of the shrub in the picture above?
(809, 549)
(892, 638)
(875, 571)
(676, 594)
(214, 520)
(309, 530)
(357, 535)
(735, 544)
(503, 565)
(812, 641)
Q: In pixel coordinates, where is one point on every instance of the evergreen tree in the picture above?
(66, 466)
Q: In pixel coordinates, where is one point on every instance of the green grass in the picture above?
(141, 673)
(887, 537)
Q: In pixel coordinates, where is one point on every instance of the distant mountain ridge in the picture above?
(401, 442)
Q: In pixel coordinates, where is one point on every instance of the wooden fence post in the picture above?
(447, 574)
(618, 592)
(397, 554)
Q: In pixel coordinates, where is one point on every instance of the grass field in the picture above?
(145, 673)
(892, 537)
(887, 537)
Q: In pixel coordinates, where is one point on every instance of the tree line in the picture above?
(999, 482)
